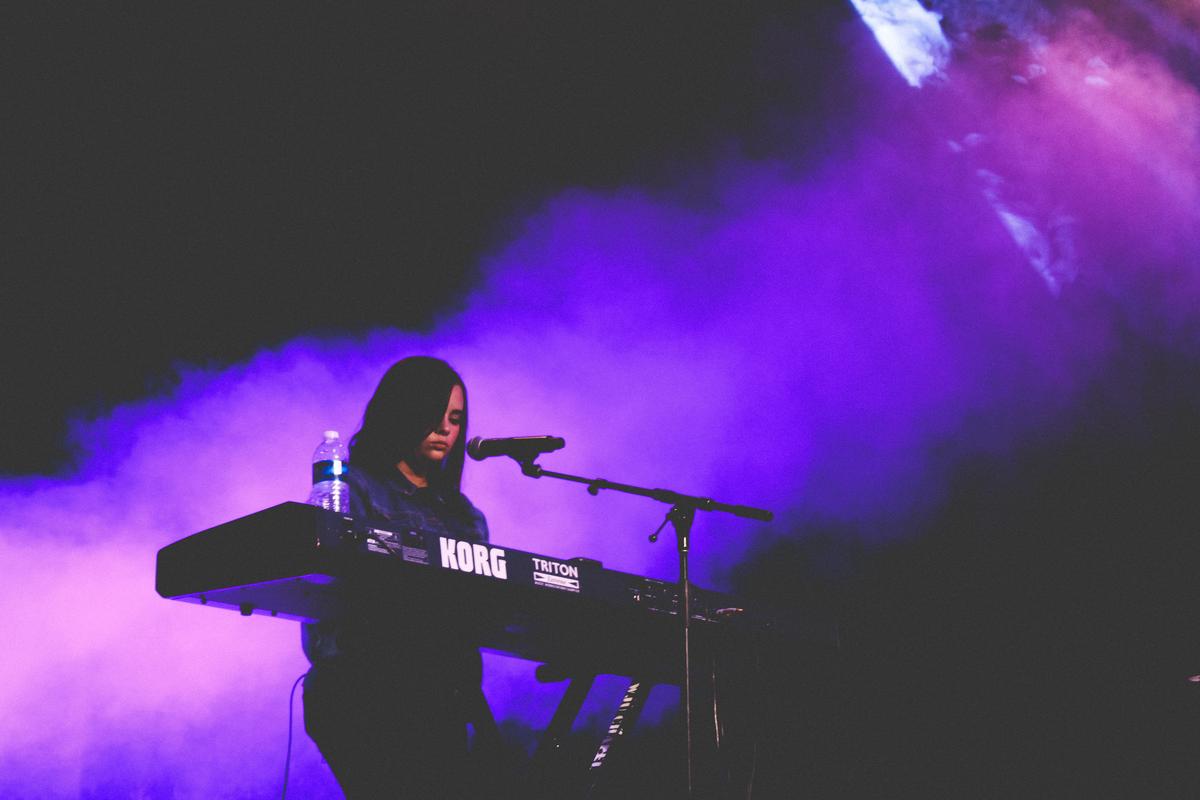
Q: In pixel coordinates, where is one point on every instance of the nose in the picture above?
(444, 425)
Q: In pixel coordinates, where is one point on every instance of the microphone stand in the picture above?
(680, 516)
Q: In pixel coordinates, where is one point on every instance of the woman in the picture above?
(392, 689)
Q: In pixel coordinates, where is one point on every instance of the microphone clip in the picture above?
(528, 467)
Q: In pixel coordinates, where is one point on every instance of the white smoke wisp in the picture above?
(911, 36)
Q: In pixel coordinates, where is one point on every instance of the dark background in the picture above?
(189, 184)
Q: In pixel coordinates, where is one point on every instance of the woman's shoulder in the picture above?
(376, 496)
(362, 476)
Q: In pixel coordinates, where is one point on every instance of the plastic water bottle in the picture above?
(330, 463)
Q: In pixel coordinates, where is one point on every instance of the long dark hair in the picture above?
(409, 403)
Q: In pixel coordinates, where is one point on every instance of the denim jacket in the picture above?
(393, 502)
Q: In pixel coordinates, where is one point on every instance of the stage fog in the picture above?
(955, 270)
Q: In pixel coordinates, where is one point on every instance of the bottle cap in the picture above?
(331, 434)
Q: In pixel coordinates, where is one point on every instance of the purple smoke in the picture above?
(822, 340)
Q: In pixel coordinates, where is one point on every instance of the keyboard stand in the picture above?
(549, 755)
(626, 717)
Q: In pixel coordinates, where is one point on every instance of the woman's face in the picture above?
(442, 438)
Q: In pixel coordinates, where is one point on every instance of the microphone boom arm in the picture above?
(668, 496)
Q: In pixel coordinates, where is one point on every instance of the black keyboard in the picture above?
(300, 562)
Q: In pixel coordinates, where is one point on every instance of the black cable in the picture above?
(287, 759)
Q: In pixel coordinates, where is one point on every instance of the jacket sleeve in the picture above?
(480, 522)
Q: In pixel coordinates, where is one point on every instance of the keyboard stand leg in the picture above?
(623, 721)
(487, 732)
(546, 759)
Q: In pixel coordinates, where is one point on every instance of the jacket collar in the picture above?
(407, 487)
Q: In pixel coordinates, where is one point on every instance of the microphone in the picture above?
(522, 448)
